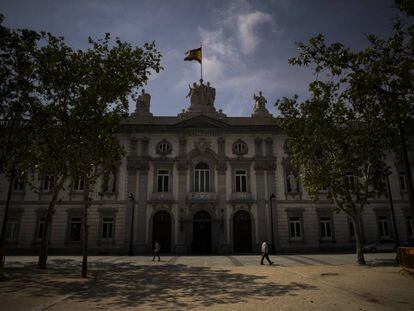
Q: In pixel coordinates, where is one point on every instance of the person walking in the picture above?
(157, 248)
(265, 253)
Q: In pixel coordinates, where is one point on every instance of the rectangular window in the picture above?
(75, 229)
(410, 226)
(79, 183)
(163, 176)
(241, 181)
(18, 184)
(12, 229)
(48, 182)
(326, 228)
(295, 228)
(403, 182)
(40, 228)
(384, 229)
(107, 229)
(202, 180)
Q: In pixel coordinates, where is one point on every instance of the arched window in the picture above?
(202, 177)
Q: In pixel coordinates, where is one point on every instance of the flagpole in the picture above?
(201, 63)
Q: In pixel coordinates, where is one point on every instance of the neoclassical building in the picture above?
(200, 182)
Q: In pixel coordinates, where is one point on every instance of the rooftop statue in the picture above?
(259, 108)
(201, 97)
(143, 104)
(144, 99)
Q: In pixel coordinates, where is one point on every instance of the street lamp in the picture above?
(272, 196)
(132, 199)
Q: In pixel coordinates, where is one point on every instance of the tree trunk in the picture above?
(44, 245)
(85, 230)
(3, 228)
(359, 239)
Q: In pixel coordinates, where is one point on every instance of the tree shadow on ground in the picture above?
(122, 285)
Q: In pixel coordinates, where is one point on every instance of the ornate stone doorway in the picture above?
(162, 231)
(201, 233)
(242, 232)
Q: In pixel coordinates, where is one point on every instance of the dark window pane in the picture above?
(159, 183)
(298, 234)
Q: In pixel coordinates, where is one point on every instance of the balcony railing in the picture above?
(161, 196)
(199, 197)
(241, 196)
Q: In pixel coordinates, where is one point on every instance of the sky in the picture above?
(246, 44)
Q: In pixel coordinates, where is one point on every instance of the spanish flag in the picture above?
(193, 55)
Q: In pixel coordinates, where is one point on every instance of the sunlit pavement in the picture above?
(223, 260)
(233, 282)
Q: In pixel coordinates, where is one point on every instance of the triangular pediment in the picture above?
(201, 121)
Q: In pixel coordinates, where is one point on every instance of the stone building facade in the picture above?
(200, 182)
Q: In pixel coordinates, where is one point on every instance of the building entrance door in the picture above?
(201, 233)
(162, 231)
(242, 232)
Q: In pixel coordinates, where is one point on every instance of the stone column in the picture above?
(141, 220)
(223, 245)
(183, 241)
(131, 188)
(271, 184)
(271, 188)
(141, 201)
(262, 221)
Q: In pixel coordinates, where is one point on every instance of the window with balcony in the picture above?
(202, 178)
(75, 229)
(79, 183)
(326, 228)
(107, 229)
(48, 182)
(12, 229)
(241, 180)
(162, 180)
(384, 227)
(295, 228)
(18, 184)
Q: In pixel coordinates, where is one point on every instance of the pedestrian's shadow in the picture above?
(119, 285)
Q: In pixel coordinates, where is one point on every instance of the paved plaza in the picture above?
(295, 282)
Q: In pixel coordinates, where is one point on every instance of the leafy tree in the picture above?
(17, 94)
(359, 106)
(335, 147)
(85, 95)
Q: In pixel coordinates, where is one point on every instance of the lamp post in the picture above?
(272, 196)
(132, 199)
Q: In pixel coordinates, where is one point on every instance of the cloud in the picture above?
(246, 25)
(216, 42)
